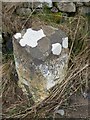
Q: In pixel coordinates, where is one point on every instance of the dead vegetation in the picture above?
(77, 78)
(13, 99)
(11, 22)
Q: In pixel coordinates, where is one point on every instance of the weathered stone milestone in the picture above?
(41, 59)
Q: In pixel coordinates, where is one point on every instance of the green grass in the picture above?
(48, 16)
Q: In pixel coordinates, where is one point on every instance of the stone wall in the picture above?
(67, 7)
(83, 7)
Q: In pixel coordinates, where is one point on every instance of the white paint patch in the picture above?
(31, 37)
(18, 35)
(56, 48)
(65, 42)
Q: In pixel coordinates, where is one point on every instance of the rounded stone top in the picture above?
(40, 42)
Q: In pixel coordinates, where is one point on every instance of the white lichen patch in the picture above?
(31, 37)
(56, 48)
(18, 35)
(53, 72)
(65, 42)
(48, 75)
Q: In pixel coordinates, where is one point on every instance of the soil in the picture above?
(79, 107)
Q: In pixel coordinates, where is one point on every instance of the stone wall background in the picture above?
(19, 12)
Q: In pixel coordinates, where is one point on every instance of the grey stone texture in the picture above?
(66, 6)
(38, 69)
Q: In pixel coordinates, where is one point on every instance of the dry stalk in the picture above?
(74, 37)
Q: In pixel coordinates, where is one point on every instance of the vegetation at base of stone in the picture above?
(51, 17)
(77, 76)
(78, 33)
(7, 57)
(7, 49)
(13, 99)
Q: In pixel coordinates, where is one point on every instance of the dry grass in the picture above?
(13, 99)
(11, 22)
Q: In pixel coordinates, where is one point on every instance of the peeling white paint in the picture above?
(31, 37)
(65, 42)
(56, 48)
(18, 35)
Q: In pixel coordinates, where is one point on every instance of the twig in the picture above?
(28, 19)
(74, 37)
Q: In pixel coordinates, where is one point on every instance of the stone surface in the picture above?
(84, 10)
(23, 11)
(66, 6)
(54, 10)
(38, 68)
(87, 3)
(38, 4)
(79, 4)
